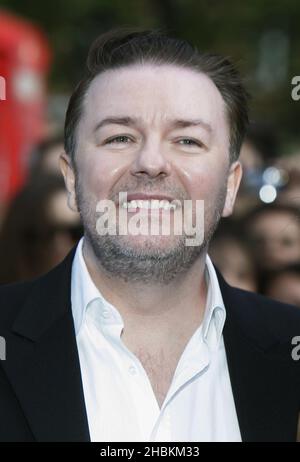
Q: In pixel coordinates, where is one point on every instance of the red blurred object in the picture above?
(24, 64)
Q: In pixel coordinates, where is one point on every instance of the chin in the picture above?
(150, 243)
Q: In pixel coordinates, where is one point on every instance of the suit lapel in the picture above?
(42, 360)
(259, 377)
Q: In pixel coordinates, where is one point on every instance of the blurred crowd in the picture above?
(38, 229)
(257, 249)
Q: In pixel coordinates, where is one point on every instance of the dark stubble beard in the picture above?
(146, 265)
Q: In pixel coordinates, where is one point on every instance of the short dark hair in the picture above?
(123, 47)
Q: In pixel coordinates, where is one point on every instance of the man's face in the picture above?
(160, 131)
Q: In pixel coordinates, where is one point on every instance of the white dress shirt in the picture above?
(120, 402)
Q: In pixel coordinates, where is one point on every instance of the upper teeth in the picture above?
(149, 204)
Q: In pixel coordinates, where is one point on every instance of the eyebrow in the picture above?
(131, 121)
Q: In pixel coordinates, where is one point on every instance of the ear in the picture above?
(233, 183)
(67, 170)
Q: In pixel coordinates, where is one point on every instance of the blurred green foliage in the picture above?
(262, 37)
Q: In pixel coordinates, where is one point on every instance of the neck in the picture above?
(155, 312)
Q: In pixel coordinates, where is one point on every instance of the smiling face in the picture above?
(153, 132)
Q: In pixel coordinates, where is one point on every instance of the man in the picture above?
(135, 337)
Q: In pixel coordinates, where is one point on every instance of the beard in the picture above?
(159, 259)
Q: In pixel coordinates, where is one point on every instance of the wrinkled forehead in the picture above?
(155, 94)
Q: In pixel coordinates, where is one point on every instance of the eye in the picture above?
(190, 142)
(123, 139)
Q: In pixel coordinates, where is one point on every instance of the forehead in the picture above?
(155, 93)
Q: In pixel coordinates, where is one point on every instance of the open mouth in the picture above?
(153, 204)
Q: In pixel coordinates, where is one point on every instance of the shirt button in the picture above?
(132, 370)
(105, 314)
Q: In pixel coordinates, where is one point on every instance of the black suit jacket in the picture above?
(41, 392)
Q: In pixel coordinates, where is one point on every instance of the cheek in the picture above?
(202, 180)
(100, 175)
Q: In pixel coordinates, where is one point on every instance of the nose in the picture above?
(151, 161)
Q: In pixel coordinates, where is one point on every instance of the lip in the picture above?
(147, 197)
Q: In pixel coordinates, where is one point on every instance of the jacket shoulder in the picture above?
(12, 297)
(53, 285)
(265, 315)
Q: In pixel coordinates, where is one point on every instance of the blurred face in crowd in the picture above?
(234, 263)
(158, 131)
(51, 159)
(276, 239)
(285, 288)
(64, 227)
(290, 194)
